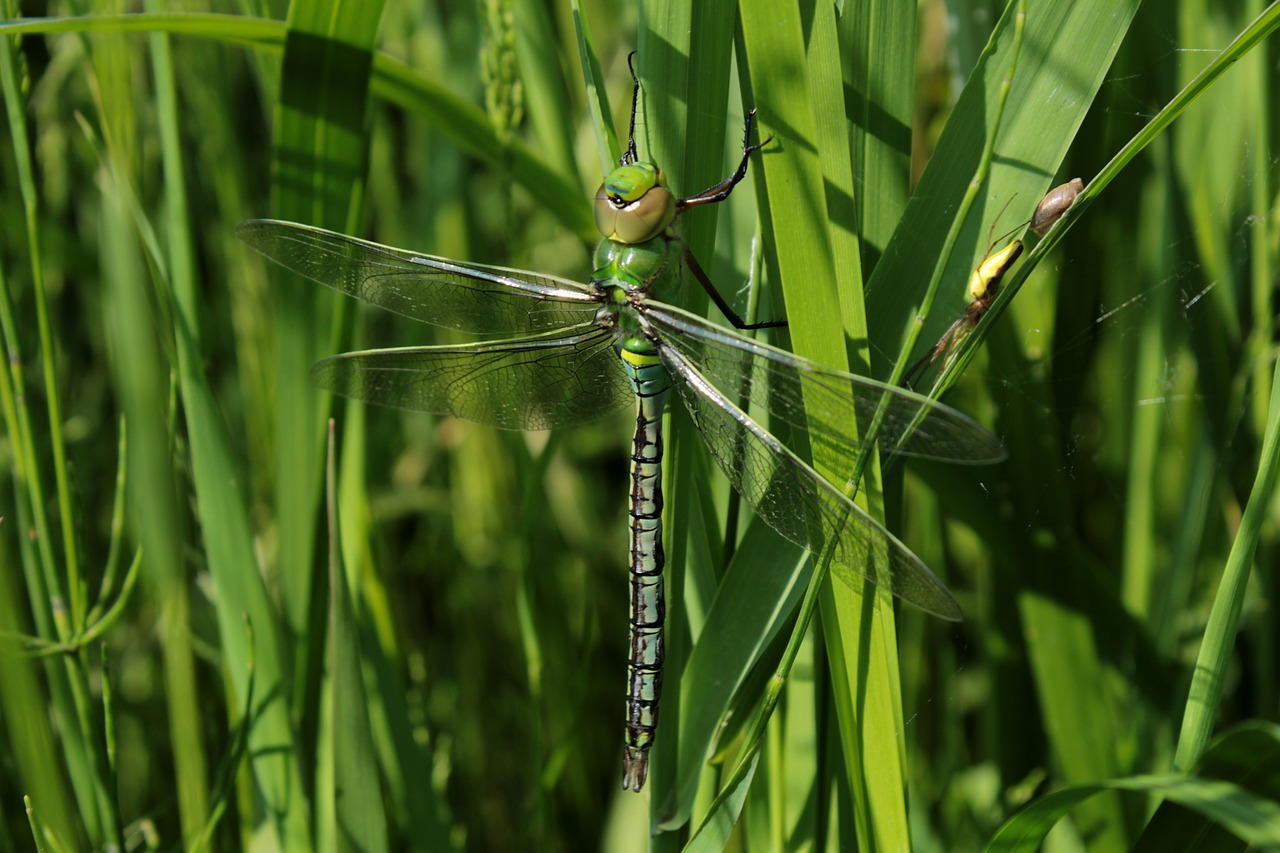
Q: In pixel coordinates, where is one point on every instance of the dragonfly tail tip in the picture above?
(635, 768)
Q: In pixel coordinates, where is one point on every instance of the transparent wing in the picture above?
(542, 382)
(831, 406)
(798, 502)
(456, 295)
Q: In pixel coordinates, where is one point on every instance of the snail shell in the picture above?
(1053, 205)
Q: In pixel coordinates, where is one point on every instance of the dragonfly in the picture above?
(583, 349)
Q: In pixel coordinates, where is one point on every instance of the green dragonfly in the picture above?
(585, 349)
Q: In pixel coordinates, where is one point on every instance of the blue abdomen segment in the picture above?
(651, 383)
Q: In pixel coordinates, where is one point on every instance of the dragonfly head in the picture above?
(632, 205)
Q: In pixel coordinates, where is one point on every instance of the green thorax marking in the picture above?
(625, 271)
(646, 267)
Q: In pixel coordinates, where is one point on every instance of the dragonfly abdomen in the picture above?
(651, 383)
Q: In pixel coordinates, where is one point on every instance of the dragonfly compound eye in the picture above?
(632, 205)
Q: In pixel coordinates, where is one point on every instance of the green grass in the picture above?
(190, 659)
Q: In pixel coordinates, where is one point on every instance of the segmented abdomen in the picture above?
(651, 384)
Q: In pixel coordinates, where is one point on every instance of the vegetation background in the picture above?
(187, 663)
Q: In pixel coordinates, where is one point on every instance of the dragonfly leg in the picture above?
(721, 191)
(630, 156)
(703, 279)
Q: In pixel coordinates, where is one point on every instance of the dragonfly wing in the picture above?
(831, 406)
(456, 295)
(798, 502)
(541, 382)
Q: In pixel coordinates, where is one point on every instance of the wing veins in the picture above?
(793, 498)
(825, 403)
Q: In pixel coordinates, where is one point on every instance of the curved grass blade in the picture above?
(453, 294)
(820, 400)
(554, 380)
(798, 502)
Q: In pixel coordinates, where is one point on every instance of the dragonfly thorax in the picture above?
(632, 205)
(627, 272)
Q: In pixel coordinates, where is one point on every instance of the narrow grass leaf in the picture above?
(182, 694)
(1236, 788)
(754, 602)
(1247, 755)
(1210, 671)
(793, 80)
(355, 798)
(318, 172)
(597, 95)
(714, 835)
(547, 103)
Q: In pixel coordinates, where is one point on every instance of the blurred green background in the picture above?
(165, 560)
